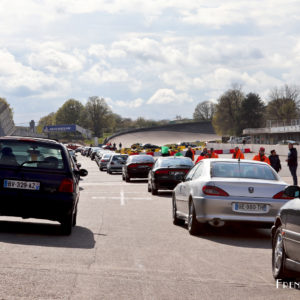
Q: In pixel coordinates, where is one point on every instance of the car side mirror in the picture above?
(83, 172)
(292, 191)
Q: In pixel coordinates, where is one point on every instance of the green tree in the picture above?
(46, 121)
(97, 112)
(227, 117)
(204, 111)
(70, 112)
(283, 104)
(252, 112)
(4, 104)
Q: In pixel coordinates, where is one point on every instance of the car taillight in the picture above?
(132, 166)
(149, 165)
(214, 191)
(66, 186)
(282, 195)
(162, 172)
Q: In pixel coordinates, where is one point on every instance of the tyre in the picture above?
(278, 256)
(154, 191)
(74, 218)
(67, 224)
(101, 169)
(193, 225)
(127, 178)
(176, 220)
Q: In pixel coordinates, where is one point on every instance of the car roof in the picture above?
(234, 160)
(29, 139)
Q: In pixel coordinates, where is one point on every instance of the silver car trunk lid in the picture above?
(249, 187)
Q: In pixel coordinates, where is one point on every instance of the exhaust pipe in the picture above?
(216, 222)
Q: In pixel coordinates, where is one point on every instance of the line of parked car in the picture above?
(216, 192)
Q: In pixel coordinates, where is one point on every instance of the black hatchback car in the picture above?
(286, 238)
(38, 179)
(167, 172)
(137, 166)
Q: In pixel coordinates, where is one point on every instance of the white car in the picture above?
(217, 191)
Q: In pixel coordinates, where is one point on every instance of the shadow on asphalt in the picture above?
(138, 180)
(46, 235)
(240, 236)
(165, 194)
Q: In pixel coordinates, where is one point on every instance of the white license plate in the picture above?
(250, 207)
(23, 185)
(177, 173)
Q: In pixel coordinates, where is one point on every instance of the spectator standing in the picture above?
(293, 162)
(212, 154)
(120, 146)
(189, 153)
(275, 161)
(238, 154)
(165, 151)
(178, 153)
(204, 152)
(114, 145)
(261, 156)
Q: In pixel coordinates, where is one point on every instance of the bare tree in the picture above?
(204, 111)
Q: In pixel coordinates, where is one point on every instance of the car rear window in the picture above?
(141, 158)
(242, 170)
(119, 157)
(31, 155)
(176, 162)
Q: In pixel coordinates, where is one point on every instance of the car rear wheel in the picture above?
(149, 187)
(127, 178)
(176, 220)
(278, 256)
(67, 224)
(193, 225)
(101, 169)
(74, 218)
(154, 191)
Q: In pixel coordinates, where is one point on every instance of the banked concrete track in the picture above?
(167, 134)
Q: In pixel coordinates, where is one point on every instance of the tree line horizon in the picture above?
(230, 114)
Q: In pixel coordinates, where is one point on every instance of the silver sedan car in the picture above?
(217, 191)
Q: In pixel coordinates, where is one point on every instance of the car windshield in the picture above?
(31, 154)
(242, 170)
(176, 162)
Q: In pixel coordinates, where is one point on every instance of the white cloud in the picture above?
(56, 61)
(130, 104)
(15, 75)
(168, 96)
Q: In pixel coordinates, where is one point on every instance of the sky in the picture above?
(155, 59)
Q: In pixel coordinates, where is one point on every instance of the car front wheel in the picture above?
(176, 220)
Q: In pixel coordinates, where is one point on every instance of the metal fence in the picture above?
(282, 123)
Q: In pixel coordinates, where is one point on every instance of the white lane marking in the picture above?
(122, 199)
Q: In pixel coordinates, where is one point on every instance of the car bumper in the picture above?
(54, 206)
(165, 184)
(222, 208)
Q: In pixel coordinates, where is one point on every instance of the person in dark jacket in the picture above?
(189, 153)
(293, 162)
(275, 161)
